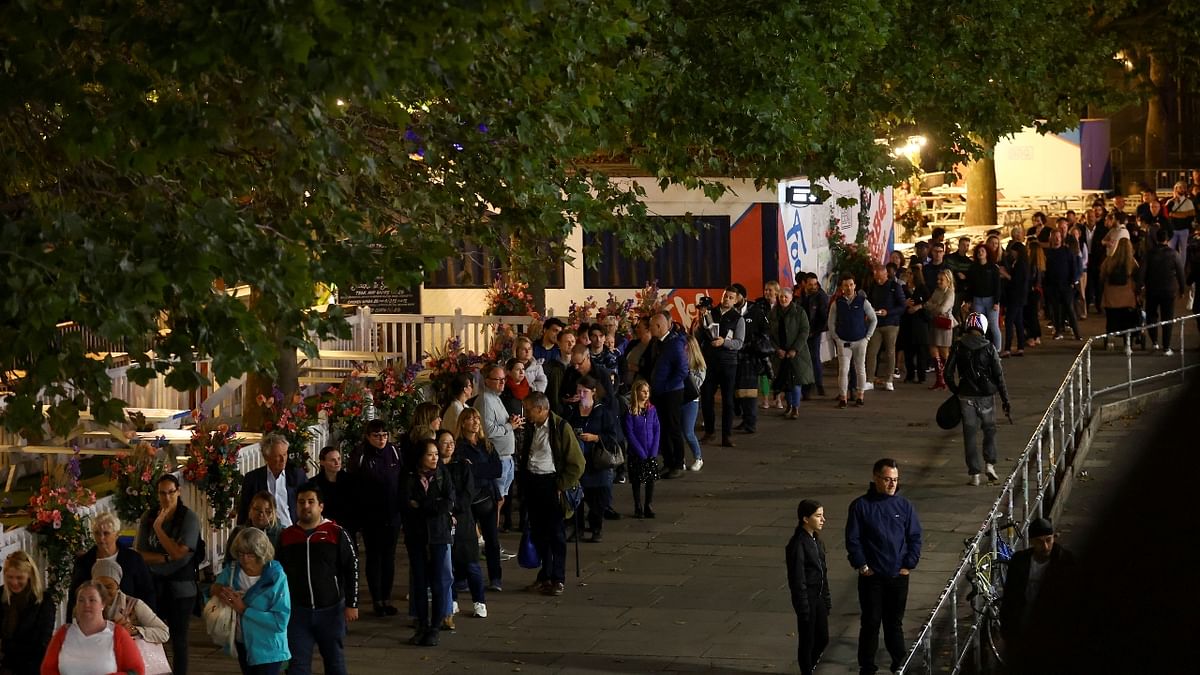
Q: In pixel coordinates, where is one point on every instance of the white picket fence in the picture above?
(414, 335)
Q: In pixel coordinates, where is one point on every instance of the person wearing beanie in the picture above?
(1044, 563)
(127, 611)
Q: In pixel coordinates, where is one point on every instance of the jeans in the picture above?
(1179, 243)
(546, 526)
(882, 601)
(468, 570)
(1160, 307)
(814, 351)
(793, 396)
(884, 338)
(485, 517)
(1014, 320)
(260, 669)
(177, 614)
(812, 635)
(326, 628)
(380, 542)
(427, 565)
(723, 376)
(978, 412)
(987, 307)
(670, 409)
(856, 353)
(598, 500)
(689, 412)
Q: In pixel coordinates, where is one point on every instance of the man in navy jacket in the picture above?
(275, 453)
(883, 543)
(666, 388)
(887, 297)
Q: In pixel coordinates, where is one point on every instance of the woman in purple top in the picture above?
(642, 433)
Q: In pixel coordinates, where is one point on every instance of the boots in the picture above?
(637, 500)
(647, 510)
(940, 383)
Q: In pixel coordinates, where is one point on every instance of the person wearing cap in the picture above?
(1028, 572)
(974, 374)
(127, 611)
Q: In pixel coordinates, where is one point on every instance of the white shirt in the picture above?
(541, 457)
(277, 486)
(87, 654)
(244, 582)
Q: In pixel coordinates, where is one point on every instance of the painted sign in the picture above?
(805, 227)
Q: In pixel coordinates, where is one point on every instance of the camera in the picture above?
(704, 302)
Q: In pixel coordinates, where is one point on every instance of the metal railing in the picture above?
(949, 639)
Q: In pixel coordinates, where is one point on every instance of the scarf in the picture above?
(427, 478)
(518, 390)
(17, 603)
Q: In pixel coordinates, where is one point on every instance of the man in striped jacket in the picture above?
(322, 571)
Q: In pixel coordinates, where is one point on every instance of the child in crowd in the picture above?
(642, 433)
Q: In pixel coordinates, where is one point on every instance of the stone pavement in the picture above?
(703, 587)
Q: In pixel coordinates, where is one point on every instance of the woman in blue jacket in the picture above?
(594, 421)
(255, 586)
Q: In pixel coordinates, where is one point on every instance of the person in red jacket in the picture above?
(91, 645)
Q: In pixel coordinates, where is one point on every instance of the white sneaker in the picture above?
(974, 479)
(991, 472)
(868, 386)
(696, 465)
(480, 610)
(454, 609)
(1155, 347)
(1168, 352)
(888, 386)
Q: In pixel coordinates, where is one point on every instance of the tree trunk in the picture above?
(286, 378)
(981, 190)
(1156, 118)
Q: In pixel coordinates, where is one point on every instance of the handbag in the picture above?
(943, 322)
(220, 621)
(527, 555)
(949, 413)
(690, 391)
(154, 657)
(605, 458)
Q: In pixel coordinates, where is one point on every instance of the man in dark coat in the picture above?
(275, 475)
(1029, 572)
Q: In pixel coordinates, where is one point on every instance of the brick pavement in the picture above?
(703, 587)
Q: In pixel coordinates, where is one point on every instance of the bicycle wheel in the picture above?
(993, 637)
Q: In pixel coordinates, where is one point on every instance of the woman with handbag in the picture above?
(642, 431)
(595, 425)
(474, 447)
(464, 549)
(148, 631)
(256, 588)
(941, 309)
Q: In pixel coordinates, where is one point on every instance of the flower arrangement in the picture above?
(292, 420)
(848, 257)
(649, 300)
(447, 362)
(136, 473)
(345, 405)
(212, 465)
(60, 518)
(503, 344)
(395, 396)
(580, 313)
(391, 396)
(509, 298)
(622, 309)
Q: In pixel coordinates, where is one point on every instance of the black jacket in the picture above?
(256, 481)
(376, 476)
(1013, 607)
(1016, 291)
(465, 546)
(808, 578)
(983, 281)
(24, 649)
(1163, 272)
(321, 566)
(973, 368)
(136, 581)
(426, 512)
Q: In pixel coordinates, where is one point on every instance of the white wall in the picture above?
(1029, 163)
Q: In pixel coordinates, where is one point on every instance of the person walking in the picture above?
(808, 582)
(883, 543)
(852, 320)
(974, 374)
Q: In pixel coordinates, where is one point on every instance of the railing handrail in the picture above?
(1079, 367)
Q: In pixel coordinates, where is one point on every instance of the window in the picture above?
(471, 268)
(686, 261)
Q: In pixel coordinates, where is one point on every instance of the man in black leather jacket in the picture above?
(974, 374)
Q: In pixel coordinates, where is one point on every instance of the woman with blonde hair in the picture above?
(941, 310)
(27, 615)
(1119, 297)
(697, 370)
(136, 582)
(473, 446)
(91, 644)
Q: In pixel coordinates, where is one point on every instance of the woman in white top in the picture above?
(523, 350)
(127, 611)
(462, 388)
(91, 645)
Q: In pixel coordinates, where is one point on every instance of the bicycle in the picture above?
(989, 570)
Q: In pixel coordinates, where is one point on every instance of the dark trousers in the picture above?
(670, 412)
(598, 500)
(260, 669)
(1160, 307)
(426, 563)
(721, 376)
(749, 412)
(1033, 326)
(812, 634)
(177, 614)
(916, 361)
(1062, 306)
(978, 413)
(380, 542)
(546, 527)
(325, 628)
(882, 601)
(485, 517)
(814, 352)
(1014, 321)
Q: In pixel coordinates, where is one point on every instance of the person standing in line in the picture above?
(1014, 296)
(28, 613)
(887, 297)
(721, 331)
(852, 321)
(914, 327)
(642, 431)
(462, 389)
(547, 344)
(792, 365)
(666, 378)
(427, 498)
(275, 477)
(697, 371)
(500, 426)
(883, 543)
(376, 470)
(974, 374)
(808, 581)
(168, 537)
(816, 304)
(750, 361)
(1162, 281)
(257, 589)
(983, 291)
(1062, 270)
(1180, 214)
(318, 557)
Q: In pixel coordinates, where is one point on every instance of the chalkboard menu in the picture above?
(382, 299)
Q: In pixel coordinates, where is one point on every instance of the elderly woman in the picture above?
(257, 590)
(791, 361)
(124, 610)
(262, 517)
(136, 582)
(168, 537)
(91, 645)
(28, 616)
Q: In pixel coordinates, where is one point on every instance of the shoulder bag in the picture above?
(604, 457)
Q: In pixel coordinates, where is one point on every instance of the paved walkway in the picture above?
(703, 587)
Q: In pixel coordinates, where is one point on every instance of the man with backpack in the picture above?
(974, 374)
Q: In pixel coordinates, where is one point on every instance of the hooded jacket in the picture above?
(883, 532)
(973, 368)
